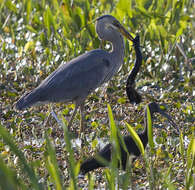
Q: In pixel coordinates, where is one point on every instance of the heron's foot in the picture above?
(82, 125)
(81, 131)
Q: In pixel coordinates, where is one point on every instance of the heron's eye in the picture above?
(116, 23)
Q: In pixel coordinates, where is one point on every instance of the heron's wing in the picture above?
(76, 78)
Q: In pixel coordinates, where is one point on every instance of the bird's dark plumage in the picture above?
(106, 153)
(132, 94)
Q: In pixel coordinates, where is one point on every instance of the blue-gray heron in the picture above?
(106, 153)
(73, 81)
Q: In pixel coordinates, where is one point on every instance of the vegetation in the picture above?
(37, 36)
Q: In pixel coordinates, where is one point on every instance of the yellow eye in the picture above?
(162, 107)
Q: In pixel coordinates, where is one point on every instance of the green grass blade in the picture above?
(28, 10)
(181, 147)
(150, 131)
(126, 178)
(114, 132)
(190, 163)
(47, 21)
(149, 164)
(11, 6)
(123, 146)
(110, 182)
(8, 178)
(136, 138)
(122, 142)
(52, 164)
(91, 182)
(25, 166)
(72, 164)
(191, 149)
(116, 154)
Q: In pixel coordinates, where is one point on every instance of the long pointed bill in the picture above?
(170, 120)
(124, 32)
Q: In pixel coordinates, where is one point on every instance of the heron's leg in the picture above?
(82, 128)
(51, 112)
(47, 119)
(56, 118)
(73, 115)
(82, 119)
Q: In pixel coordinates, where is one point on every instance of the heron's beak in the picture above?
(169, 119)
(124, 32)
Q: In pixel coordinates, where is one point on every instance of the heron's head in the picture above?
(157, 108)
(108, 24)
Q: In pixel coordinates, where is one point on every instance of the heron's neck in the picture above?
(118, 50)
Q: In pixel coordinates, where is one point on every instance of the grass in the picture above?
(37, 36)
(112, 176)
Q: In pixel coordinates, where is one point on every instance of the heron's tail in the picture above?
(27, 100)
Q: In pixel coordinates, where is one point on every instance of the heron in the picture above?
(75, 80)
(106, 153)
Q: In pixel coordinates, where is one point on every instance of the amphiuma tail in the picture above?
(89, 165)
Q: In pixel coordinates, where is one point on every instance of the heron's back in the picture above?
(72, 81)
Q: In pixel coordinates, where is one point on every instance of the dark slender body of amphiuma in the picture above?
(106, 152)
(132, 94)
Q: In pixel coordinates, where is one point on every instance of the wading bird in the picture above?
(75, 80)
(106, 153)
